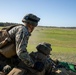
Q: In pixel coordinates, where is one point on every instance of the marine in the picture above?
(42, 64)
(17, 39)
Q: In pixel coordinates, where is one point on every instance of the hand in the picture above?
(39, 66)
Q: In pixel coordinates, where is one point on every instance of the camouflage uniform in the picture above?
(40, 57)
(21, 36)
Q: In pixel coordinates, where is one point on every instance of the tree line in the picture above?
(7, 24)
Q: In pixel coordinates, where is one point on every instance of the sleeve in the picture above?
(21, 39)
(48, 67)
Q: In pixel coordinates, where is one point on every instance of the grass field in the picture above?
(63, 42)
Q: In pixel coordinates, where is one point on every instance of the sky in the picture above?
(60, 13)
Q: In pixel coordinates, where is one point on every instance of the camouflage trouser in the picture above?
(63, 71)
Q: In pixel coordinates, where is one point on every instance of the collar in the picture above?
(28, 30)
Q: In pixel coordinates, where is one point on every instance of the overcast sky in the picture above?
(52, 12)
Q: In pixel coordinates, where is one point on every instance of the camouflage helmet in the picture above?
(44, 48)
(31, 19)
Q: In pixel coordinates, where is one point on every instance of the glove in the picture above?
(7, 69)
(39, 66)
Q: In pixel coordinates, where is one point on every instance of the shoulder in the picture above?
(22, 27)
(19, 28)
(22, 30)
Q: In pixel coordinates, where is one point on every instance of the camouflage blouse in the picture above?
(21, 35)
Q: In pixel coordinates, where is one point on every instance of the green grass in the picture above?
(59, 38)
(63, 41)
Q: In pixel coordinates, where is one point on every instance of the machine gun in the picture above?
(54, 64)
